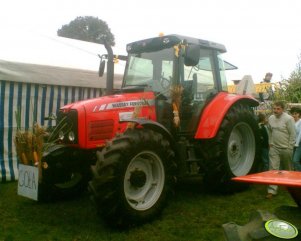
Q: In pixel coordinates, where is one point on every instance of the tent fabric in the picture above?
(35, 101)
(35, 73)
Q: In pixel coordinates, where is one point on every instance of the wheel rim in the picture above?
(241, 149)
(144, 180)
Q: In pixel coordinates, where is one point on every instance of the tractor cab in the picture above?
(183, 72)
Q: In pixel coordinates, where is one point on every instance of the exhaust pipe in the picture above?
(110, 68)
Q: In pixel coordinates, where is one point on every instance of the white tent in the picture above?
(38, 74)
(53, 75)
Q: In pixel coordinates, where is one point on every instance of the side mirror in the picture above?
(101, 69)
(192, 55)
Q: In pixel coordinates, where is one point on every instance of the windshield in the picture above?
(150, 69)
(154, 71)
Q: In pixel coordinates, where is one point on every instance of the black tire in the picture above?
(132, 178)
(234, 151)
(65, 174)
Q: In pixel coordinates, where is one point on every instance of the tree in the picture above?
(289, 89)
(88, 28)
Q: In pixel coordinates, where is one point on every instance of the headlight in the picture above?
(61, 135)
(71, 136)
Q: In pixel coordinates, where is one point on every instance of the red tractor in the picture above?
(172, 118)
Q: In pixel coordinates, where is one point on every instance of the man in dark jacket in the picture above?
(264, 140)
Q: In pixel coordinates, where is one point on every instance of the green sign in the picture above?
(281, 229)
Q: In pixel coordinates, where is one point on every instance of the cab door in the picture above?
(198, 85)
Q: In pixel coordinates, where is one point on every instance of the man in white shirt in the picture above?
(281, 140)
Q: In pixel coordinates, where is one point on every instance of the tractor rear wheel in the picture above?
(133, 177)
(234, 150)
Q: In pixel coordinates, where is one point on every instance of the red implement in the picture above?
(290, 179)
(284, 178)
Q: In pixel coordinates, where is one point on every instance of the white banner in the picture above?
(28, 181)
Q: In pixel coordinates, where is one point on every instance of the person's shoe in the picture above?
(270, 196)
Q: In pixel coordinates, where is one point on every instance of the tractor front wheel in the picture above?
(132, 177)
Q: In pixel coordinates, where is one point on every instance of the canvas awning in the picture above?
(53, 75)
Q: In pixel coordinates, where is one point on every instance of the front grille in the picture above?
(66, 122)
(100, 130)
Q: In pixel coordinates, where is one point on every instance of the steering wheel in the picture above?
(164, 82)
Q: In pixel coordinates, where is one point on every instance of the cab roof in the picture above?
(150, 44)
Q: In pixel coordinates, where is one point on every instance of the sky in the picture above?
(260, 35)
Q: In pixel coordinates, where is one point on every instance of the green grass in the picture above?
(190, 215)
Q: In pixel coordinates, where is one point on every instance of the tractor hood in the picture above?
(112, 102)
(96, 120)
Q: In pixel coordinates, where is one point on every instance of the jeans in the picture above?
(279, 157)
(296, 158)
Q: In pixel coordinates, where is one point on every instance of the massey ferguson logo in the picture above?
(123, 104)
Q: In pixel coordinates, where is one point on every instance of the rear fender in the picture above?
(214, 113)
